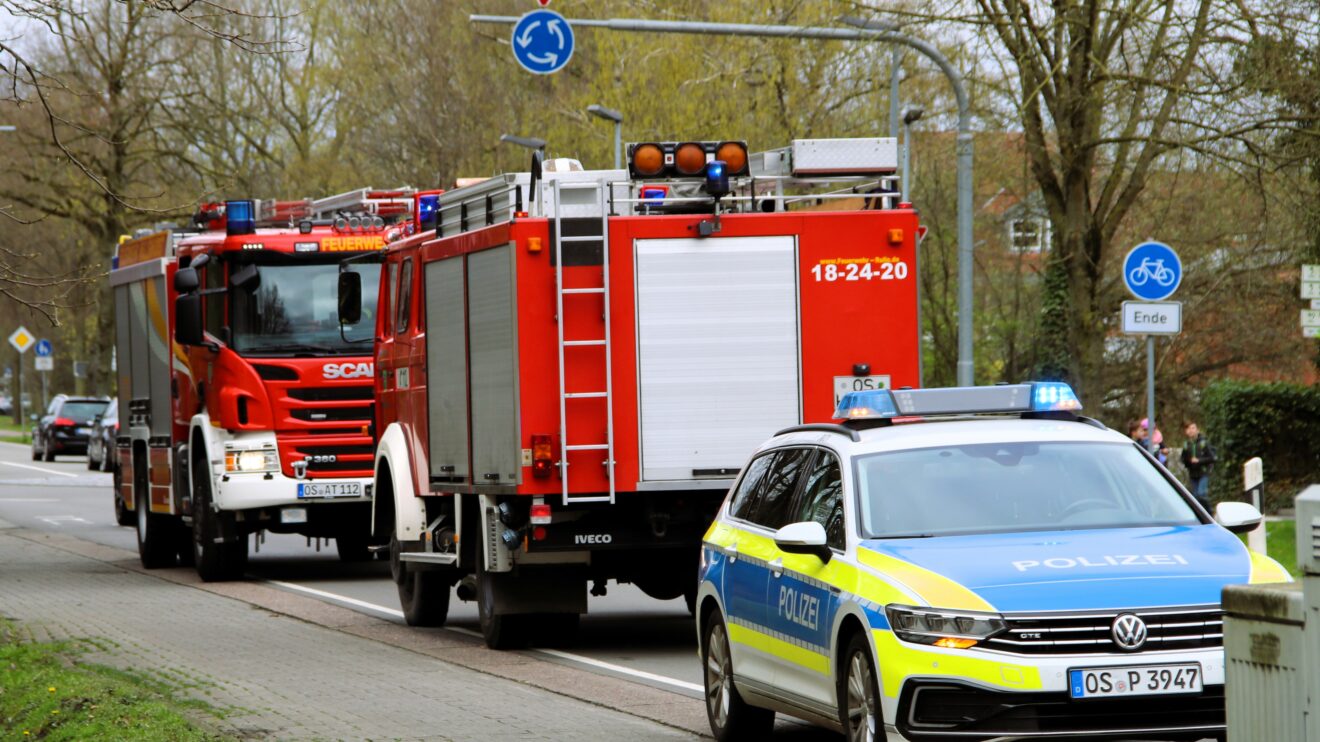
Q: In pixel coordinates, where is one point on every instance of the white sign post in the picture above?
(1253, 484)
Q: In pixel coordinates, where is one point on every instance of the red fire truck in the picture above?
(573, 365)
(245, 404)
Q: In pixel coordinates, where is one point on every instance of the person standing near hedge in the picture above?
(1199, 458)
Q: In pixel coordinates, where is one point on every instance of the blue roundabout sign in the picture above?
(542, 42)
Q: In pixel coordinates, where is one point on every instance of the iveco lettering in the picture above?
(972, 563)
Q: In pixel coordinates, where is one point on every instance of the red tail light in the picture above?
(63, 421)
(543, 455)
(540, 514)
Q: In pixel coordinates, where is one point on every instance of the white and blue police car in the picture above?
(967, 564)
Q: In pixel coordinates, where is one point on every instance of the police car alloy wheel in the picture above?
(859, 698)
(731, 718)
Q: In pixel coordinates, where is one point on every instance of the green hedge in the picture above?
(1278, 422)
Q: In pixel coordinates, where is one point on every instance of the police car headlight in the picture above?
(950, 629)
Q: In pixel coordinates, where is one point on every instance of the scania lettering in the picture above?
(573, 364)
(347, 370)
(248, 403)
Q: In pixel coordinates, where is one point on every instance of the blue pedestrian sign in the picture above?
(1152, 271)
(542, 42)
(44, 349)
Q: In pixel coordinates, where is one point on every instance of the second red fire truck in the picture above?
(245, 405)
(571, 365)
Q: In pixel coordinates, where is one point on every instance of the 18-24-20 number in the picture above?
(860, 272)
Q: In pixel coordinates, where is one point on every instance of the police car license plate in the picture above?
(329, 489)
(845, 384)
(1143, 680)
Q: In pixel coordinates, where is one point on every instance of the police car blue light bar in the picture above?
(1040, 396)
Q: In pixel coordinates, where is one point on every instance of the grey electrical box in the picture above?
(1265, 665)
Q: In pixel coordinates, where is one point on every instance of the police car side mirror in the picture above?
(350, 298)
(1238, 517)
(807, 537)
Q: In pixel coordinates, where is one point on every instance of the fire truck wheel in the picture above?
(424, 597)
(155, 545)
(183, 545)
(215, 562)
(501, 631)
(123, 516)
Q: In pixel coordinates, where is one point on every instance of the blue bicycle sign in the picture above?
(542, 42)
(1152, 271)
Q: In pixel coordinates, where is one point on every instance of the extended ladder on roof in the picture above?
(600, 190)
(370, 201)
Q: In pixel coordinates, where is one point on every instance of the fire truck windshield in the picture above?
(292, 309)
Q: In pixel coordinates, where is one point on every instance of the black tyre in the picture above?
(423, 596)
(731, 718)
(123, 516)
(156, 545)
(859, 693)
(36, 455)
(46, 453)
(215, 561)
(92, 464)
(501, 631)
(108, 456)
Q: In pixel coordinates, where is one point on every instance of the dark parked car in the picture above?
(101, 444)
(66, 426)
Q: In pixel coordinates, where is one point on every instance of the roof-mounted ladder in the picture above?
(600, 190)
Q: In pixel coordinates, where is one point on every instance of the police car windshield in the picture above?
(294, 309)
(1014, 487)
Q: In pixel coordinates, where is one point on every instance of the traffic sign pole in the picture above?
(1152, 272)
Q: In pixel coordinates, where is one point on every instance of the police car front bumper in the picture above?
(984, 695)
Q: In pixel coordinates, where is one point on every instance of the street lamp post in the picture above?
(910, 117)
(609, 114)
(965, 246)
(528, 142)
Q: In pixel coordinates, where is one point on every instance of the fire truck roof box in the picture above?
(805, 157)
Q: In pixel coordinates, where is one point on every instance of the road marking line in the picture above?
(625, 670)
(339, 598)
(39, 468)
(28, 499)
(59, 520)
(591, 662)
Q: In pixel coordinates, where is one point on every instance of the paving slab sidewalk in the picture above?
(274, 676)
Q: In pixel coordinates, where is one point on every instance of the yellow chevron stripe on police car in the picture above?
(933, 587)
(1265, 569)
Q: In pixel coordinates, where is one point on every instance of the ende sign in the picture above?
(1152, 317)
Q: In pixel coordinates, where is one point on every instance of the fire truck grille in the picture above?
(333, 414)
(332, 394)
(326, 460)
(1195, 627)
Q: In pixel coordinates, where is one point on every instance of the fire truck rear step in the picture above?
(428, 557)
(600, 190)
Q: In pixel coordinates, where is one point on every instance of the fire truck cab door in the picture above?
(718, 351)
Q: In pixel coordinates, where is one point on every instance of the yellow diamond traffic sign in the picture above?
(22, 339)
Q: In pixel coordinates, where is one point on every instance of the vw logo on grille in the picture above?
(1129, 632)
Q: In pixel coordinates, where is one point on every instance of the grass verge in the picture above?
(1281, 543)
(11, 433)
(46, 694)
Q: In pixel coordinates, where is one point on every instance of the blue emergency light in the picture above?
(428, 205)
(879, 404)
(240, 217)
(717, 179)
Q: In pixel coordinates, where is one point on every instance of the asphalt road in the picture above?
(625, 633)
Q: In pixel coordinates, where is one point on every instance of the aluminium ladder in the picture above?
(600, 190)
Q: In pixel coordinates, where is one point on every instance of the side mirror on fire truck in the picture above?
(188, 319)
(185, 280)
(350, 297)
